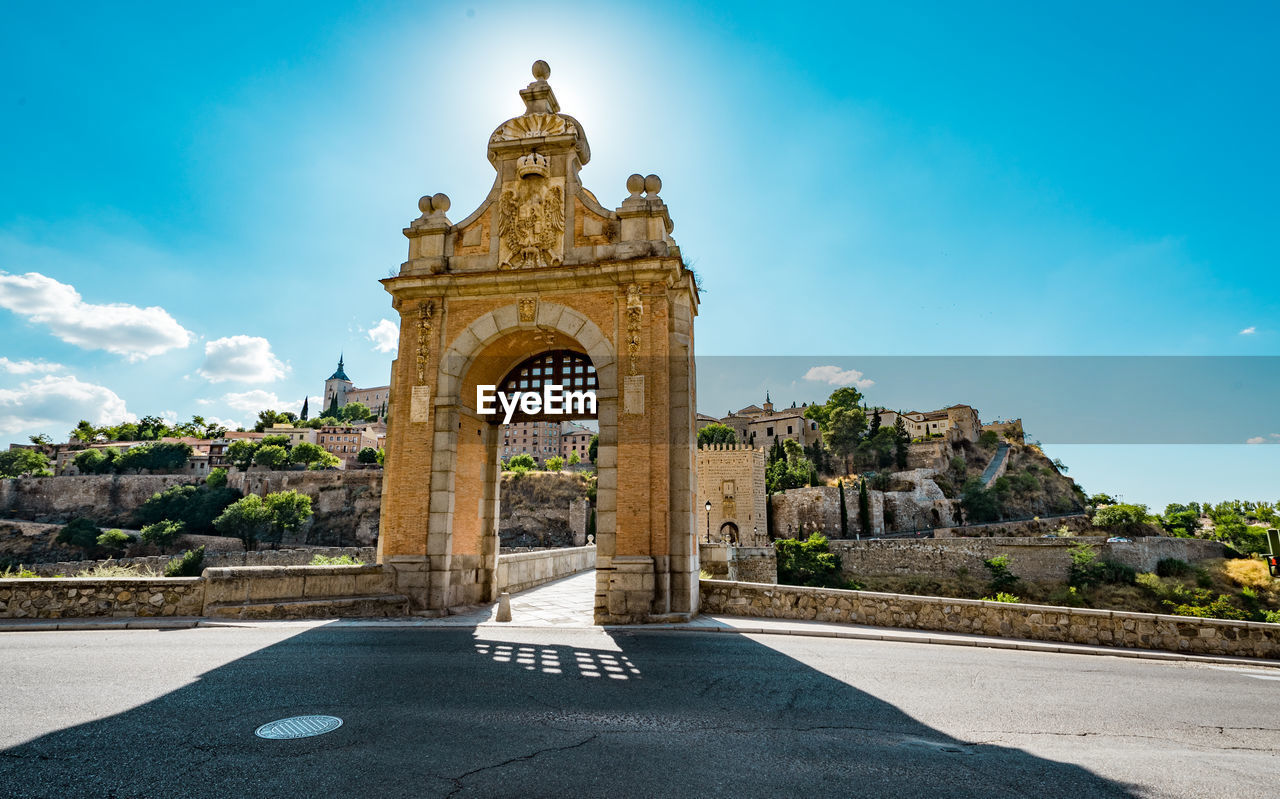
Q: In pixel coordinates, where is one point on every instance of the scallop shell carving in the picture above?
(532, 126)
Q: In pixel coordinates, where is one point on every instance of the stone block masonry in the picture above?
(1032, 622)
(109, 500)
(265, 557)
(750, 564)
(91, 597)
(1046, 559)
(520, 571)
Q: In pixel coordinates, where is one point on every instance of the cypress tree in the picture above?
(844, 512)
(303, 417)
(864, 507)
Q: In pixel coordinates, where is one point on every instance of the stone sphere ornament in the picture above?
(424, 204)
(652, 184)
(541, 70)
(635, 184)
(440, 202)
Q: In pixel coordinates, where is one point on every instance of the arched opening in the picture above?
(729, 533)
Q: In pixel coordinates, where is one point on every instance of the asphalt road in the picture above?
(582, 713)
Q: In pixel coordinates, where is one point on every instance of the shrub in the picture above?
(217, 478)
(157, 456)
(521, 464)
(1001, 578)
(1122, 518)
(114, 540)
(1068, 596)
(188, 564)
(367, 455)
(337, 560)
(10, 573)
(555, 463)
(1220, 608)
(80, 532)
(988, 439)
(1087, 570)
(1173, 567)
(1002, 597)
(247, 519)
(1269, 616)
(808, 562)
(112, 570)
(1248, 572)
(162, 533)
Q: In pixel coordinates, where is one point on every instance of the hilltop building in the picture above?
(761, 426)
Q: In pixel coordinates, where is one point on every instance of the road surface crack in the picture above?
(458, 781)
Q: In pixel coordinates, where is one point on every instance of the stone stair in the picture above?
(302, 592)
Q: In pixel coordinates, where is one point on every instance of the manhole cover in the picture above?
(298, 727)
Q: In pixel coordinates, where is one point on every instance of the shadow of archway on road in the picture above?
(522, 712)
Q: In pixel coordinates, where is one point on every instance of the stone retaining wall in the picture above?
(520, 571)
(1076, 523)
(1033, 622)
(265, 557)
(77, 598)
(109, 500)
(1045, 559)
(751, 564)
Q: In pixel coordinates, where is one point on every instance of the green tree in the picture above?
(716, 434)
(1122, 518)
(17, 462)
(240, 452)
(521, 463)
(41, 440)
(217, 478)
(277, 440)
(367, 455)
(248, 519)
(306, 453)
(79, 532)
(864, 508)
(85, 432)
(162, 533)
(288, 510)
(1002, 579)
(156, 457)
(272, 456)
(555, 463)
(574, 459)
(355, 412)
(901, 441)
(844, 431)
(979, 504)
(114, 541)
(327, 461)
(809, 562)
(844, 512)
(268, 418)
(593, 448)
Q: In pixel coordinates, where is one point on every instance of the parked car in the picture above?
(1115, 539)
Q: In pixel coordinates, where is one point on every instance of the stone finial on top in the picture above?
(538, 97)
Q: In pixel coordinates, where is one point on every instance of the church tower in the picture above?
(336, 388)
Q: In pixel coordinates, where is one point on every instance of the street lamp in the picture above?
(708, 507)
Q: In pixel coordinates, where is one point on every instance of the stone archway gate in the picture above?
(542, 266)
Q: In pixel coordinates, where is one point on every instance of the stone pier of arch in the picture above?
(542, 266)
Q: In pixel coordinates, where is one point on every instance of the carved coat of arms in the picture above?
(531, 224)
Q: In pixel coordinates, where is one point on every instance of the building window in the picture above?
(768, 431)
(788, 429)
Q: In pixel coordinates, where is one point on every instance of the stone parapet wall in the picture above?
(266, 557)
(1046, 559)
(80, 598)
(519, 571)
(750, 564)
(977, 617)
(265, 584)
(109, 500)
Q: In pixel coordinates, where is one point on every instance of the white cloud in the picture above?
(54, 404)
(1273, 438)
(252, 401)
(1249, 331)
(127, 330)
(385, 335)
(247, 359)
(1256, 440)
(29, 367)
(836, 376)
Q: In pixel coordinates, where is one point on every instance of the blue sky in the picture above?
(921, 180)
